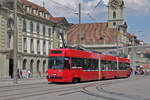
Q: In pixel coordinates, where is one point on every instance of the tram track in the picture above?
(86, 91)
(63, 90)
(19, 87)
(48, 90)
(16, 85)
(106, 94)
(100, 93)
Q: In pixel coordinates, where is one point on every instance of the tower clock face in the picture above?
(114, 4)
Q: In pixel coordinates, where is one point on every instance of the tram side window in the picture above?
(127, 66)
(90, 64)
(73, 62)
(85, 64)
(107, 67)
(95, 64)
(122, 66)
(110, 66)
(103, 65)
(114, 65)
(77, 62)
(66, 63)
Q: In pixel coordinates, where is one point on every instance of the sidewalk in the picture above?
(11, 82)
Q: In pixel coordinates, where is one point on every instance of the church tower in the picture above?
(115, 13)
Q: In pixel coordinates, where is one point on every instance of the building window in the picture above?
(44, 48)
(37, 28)
(38, 66)
(24, 26)
(24, 64)
(114, 23)
(9, 41)
(31, 66)
(82, 38)
(46, 16)
(31, 27)
(25, 44)
(49, 45)
(43, 30)
(32, 46)
(114, 14)
(28, 9)
(10, 24)
(101, 38)
(49, 32)
(38, 47)
(44, 66)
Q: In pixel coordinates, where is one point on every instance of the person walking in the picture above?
(39, 74)
(29, 73)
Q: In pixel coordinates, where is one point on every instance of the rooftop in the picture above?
(92, 33)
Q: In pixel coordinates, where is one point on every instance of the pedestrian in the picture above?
(20, 73)
(24, 73)
(39, 73)
(29, 73)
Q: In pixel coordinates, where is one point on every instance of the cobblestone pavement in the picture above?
(133, 88)
(9, 82)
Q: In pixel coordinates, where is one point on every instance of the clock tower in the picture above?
(115, 13)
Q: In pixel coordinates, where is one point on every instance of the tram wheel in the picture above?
(76, 80)
(103, 78)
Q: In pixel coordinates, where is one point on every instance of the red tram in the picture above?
(69, 65)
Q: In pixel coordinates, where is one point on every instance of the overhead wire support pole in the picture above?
(117, 41)
(133, 56)
(79, 23)
(15, 44)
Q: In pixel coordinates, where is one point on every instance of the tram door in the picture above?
(11, 68)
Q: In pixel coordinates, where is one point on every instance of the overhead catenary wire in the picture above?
(95, 7)
(74, 10)
(98, 4)
(63, 5)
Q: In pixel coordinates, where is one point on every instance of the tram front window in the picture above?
(59, 63)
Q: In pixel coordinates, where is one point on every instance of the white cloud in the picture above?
(67, 8)
(137, 6)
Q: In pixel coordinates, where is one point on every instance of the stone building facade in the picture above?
(142, 57)
(38, 31)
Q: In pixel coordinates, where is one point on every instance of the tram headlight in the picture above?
(54, 74)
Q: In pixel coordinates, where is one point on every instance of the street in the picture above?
(133, 88)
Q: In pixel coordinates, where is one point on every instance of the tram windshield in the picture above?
(59, 63)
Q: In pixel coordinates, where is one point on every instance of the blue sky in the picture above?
(136, 13)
